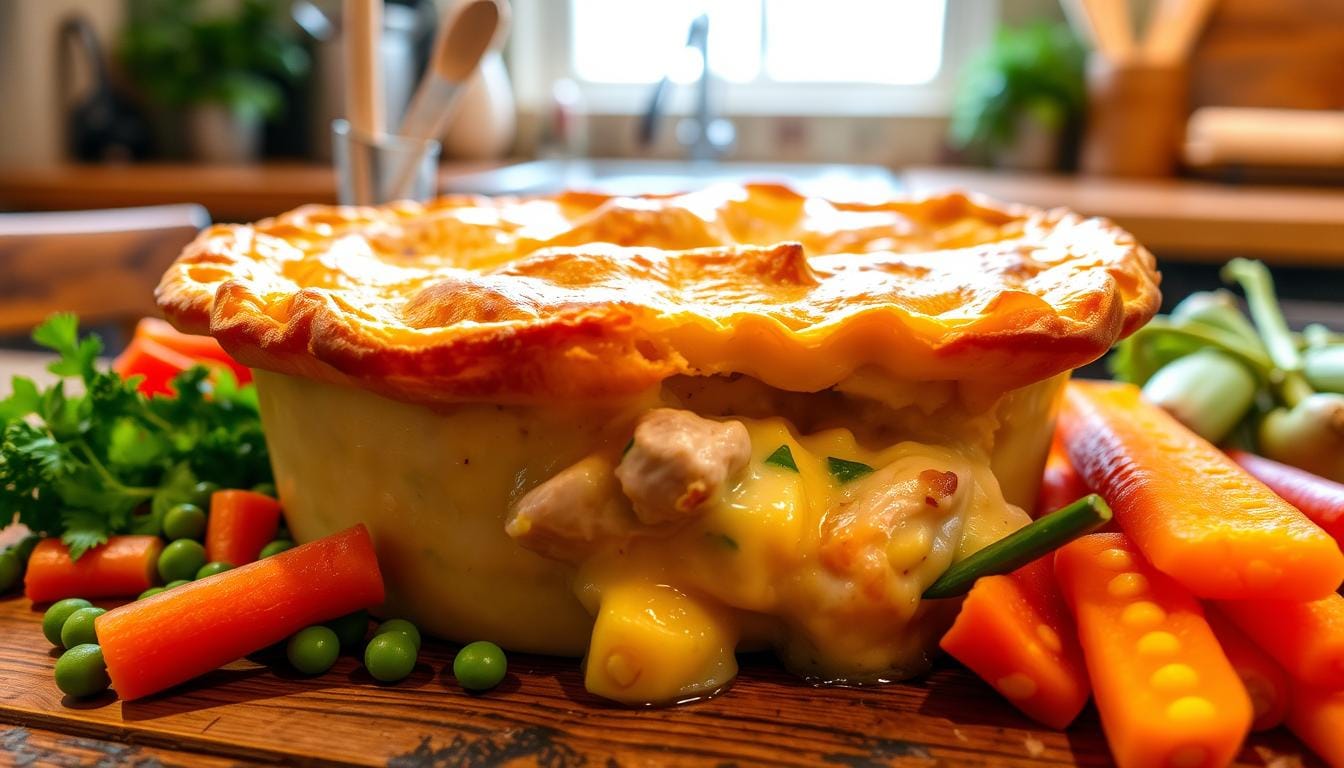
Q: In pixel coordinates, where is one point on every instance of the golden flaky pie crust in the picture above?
(582, 295)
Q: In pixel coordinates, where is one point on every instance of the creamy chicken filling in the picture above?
(705, 535)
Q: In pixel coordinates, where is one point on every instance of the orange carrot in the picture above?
(156, 363)
(123, 567)
(1306, 639)
(1316, 716)
(1061, 484)
(153, 644)
(202, 349)
(241, 523)
(1190, 509)
(1266, 682)
(1015, 633)
(1320, 499)
(1166, 693)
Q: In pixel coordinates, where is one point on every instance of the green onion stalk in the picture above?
(1038, 538)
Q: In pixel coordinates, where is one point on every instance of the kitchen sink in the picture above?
(627, 177)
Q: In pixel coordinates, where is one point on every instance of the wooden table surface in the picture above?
(258, 710)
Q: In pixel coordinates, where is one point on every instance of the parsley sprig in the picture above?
(85, 465)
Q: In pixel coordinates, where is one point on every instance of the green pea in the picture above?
(351, 628)
(184, 521)
(480, 666)
(11, 568)
(312, 651)
(402, 627)
(275, 548)
(210, 569)
(152, 591)
(265, 489)
(81, 672)
(55, 617)
(79, 629)
(175, 584)
(181, 560)
(202, 492)
(24, 549)
(390, 657)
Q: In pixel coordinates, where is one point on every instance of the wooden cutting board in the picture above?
(260, 711)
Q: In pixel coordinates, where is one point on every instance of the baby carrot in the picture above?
(123, 567)
(1194, 513)
(1306, 639)
(1015, 633)
(1166, 693)
(161, 641)
(1266, 682)
(1316, 716)
(240, 524)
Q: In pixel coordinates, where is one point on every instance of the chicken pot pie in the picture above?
(656, 430)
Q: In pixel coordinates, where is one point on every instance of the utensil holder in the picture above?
(379, 169)
(1135, 118)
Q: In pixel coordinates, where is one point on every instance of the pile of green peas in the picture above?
(68, 624)
(391, 653)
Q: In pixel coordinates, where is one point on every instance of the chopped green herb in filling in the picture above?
(782, 457)
(845, 471)
(722, 539)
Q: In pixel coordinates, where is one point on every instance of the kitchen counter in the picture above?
(230, 193)
(1177, 219)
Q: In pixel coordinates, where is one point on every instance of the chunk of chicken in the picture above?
(678, 461)
(898, 531)
(574, 513)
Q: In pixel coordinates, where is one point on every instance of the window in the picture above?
(769, 56)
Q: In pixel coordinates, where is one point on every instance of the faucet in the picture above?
(704, 136)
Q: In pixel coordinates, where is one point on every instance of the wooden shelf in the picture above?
(1188, 220)
(230, 193)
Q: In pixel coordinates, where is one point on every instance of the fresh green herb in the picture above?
(845, 470)
(1036, 539)
(110, 460)
(782, 457)
(722, 540)
(628, 446)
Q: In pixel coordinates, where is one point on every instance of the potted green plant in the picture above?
(1020, 100)
(220, 64)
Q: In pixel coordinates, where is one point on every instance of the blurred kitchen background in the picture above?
(1209, 128)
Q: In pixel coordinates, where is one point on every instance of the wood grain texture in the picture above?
(22, 746)
(259, 710)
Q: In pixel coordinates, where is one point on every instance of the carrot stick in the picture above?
(153, 644)
(1265, 681)
(156, 363)
(123, 567)
(1320, 499)
(241, 523)
(200, 348)
(1166, 693)
(1015, 633)
(1060, 483)
(1306, 639)
(1190, 509)
(1316, 716)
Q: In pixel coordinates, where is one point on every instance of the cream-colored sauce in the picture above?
(772, 562)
